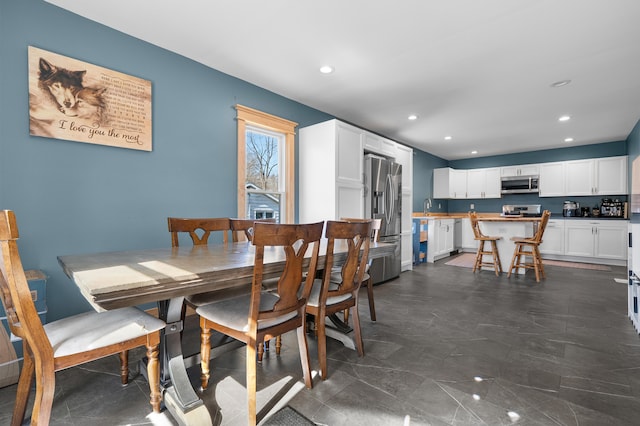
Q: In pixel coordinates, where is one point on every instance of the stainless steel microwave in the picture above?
(519, 184)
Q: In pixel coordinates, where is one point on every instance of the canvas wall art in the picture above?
(77, 101)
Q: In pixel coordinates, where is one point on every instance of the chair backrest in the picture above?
(21, 312)
(475, 225)
(195, 226)
(245, 226)
(296, 240)
(357, 237)
(376, 224)
(542, 226)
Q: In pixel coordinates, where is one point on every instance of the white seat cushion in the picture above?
(93, 330)
(314, 297)
(234, 312)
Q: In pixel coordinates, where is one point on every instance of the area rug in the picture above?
(466, 260)
(287, 416)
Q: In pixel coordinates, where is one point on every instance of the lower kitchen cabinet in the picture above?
(600, 239)
(553, 238)
(440, 239)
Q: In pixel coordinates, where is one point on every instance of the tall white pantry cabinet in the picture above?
(331, 175)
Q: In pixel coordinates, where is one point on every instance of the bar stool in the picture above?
(530, 247)
(479, 236)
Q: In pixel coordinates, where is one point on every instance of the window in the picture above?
(265, 166)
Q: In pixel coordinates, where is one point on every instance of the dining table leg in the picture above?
(180, 398)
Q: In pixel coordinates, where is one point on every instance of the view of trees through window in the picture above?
(262, 180)
(262, 161)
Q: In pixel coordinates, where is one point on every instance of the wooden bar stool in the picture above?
(482, 239)
(530, 247)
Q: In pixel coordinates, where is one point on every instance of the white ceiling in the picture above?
(479, 71)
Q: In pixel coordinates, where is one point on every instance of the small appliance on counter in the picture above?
(612, 208)
(585, 212)
(521, 210)
(571, 209)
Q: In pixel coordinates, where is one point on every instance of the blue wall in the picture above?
(423, 165)
(609, 149)
(72, 197)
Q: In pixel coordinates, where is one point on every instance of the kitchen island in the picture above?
(508, 227)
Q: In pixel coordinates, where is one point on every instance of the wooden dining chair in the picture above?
(329, 296)
(69, 341)
(262, 315)
(244, 228)
(199, 230)
(376, 224)
(495, 263)
(530, 247)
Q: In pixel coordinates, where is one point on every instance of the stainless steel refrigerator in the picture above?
(383, 200)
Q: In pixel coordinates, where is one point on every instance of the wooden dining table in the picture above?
(165, 276)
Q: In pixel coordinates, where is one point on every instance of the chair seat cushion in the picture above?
(234, 312)
(336, 277)
(314, 296)
(93, 330)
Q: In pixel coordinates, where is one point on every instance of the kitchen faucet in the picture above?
(427, 205)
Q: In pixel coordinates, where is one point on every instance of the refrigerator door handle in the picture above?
(389, 199)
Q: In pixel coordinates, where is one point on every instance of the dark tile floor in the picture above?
(449, 348)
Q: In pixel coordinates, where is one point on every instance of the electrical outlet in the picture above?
(439, 206)
(472, 206)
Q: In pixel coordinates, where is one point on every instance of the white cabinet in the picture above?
(551, 181)
(449, 183)
(598, 176)
(483, 183)
(440, 239)
(611, 175)
(330, 167)
(604, 239)
(406, 236)
(404, 156)
(468, 240)
(379, 145)
(523, 170)
(579, 177)
(553, 238)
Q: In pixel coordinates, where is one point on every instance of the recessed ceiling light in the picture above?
(560, 83)
(412, 117)
(326, 69)
(568, 139)
(447, 138)
(564, 118)
(474, 152)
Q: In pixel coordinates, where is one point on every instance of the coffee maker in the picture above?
(571, 209)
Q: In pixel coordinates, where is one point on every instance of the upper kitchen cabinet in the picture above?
(551, 181)
(523, 170)
(598, 176)
(449, 183)
(331, 164)
(483, 183)
(379, 145)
